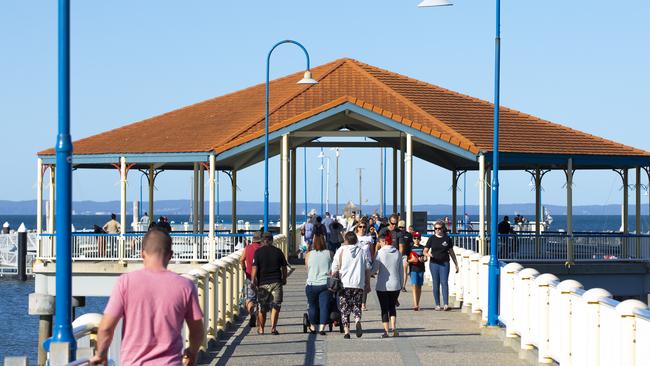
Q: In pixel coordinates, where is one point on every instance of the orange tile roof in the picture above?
(227, 121)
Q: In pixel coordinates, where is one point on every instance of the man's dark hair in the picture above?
(382, 235)
(350, 237)
(394, 216)
(319, 219)
(506, 218)
(157, 241)
(113, 216)
(267, 238)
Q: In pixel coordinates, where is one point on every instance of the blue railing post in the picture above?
(493, 274)
(62, 332)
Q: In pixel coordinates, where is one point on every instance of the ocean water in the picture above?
(19, 331)
(580, 222)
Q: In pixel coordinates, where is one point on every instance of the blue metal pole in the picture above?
(383, 209)
(62, 332)
(322, 170)
(266, 128)
(304, 156)
(493, 269)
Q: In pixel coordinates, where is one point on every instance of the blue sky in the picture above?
(580, 63)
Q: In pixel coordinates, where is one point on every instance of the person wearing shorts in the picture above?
(246, 262)
(416, 260)
(268, 276)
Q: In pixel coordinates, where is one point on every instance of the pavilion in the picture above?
(352, 99)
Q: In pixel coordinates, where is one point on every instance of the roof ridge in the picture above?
(450, 131)
(336, 64)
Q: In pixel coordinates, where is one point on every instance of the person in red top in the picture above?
(153, 303)
(246, 262)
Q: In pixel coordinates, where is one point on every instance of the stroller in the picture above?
(335, 316)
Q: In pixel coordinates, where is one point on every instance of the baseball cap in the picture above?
(417, 235)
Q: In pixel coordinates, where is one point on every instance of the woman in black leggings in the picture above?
(390, 276)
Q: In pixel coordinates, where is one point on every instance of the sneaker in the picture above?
(403, 289)
(347, 336)
(322, 332)
(437, 308)
(385, 335)
(395, 333)
(359, 331)
(446, 308)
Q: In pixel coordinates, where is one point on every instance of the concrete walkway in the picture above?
(427, 337)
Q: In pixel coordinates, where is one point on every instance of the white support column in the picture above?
(211, 179)
(569, 212)
(39, 205)
(481, 204)
(50, 209)
(408, 161)
(122, 206)
(284, 161)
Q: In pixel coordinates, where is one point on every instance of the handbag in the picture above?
(334, 283)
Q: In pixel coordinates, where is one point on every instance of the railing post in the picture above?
(543, 283)
(524, 314)
(458, 277)
(567, 289)
(474, 274)
(508, 280)
(588, 351)
(202, 276)
(211, 313)
(185, 332)
(229, 290)
(483, 286)
(465, 267)
(236, 268)
(627, 325)
(221, 291)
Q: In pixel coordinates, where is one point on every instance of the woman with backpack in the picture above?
(439, 249)
(352, 267)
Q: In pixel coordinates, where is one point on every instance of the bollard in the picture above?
(628, 343)
(507, 298)
(230, 316)
(523, 320)
(202, 284)
(213, 298)
(22, 253)
(186, 333)
(587, 352)
(544, 283)
(474, 269)
(483, 286)
(467, 280)
(5, 228)
(221, 292)
(567, 289)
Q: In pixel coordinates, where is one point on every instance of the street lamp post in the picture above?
(307, 79)
(337, 152)
(327, 181)
(493, 267)
(62, 330)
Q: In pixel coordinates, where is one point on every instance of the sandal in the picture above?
(275, 332)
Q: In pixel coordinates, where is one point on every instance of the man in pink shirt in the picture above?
(153, 303)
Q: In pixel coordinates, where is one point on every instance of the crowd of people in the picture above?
(353, 250)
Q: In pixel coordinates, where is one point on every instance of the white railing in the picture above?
(565, 323)
(114, 247)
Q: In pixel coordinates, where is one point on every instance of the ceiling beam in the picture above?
(346, 134)
(344, 144)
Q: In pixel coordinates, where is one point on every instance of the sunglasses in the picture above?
(392, 223)
(361, 226)
(437, 228)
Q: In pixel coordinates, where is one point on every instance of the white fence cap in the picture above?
(198, 272)
(513, 267)
(569, 286)
(90, 320)
(189, 277)
(528, 273)
(594, 295)
(475, 257)
(545, 279)
(21, 228)
(485, 259)
(6, 224)
(628, 307)
(210, 267)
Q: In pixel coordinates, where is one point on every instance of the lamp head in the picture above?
(307, 79)
(321, 155)
(431, 3)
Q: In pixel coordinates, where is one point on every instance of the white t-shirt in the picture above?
(364, 242)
